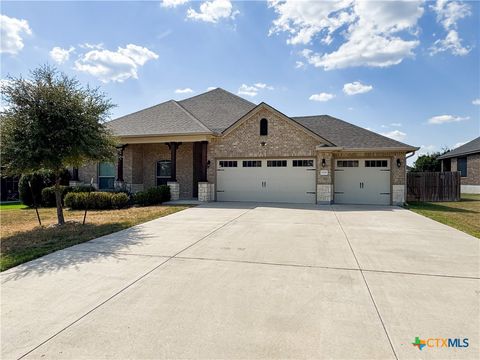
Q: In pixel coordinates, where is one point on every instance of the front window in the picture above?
(106, 176)
(164, 171)
(462, 166)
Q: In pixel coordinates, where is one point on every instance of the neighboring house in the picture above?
(466, 159)
(218, 146)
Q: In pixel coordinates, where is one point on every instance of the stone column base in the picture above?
(174, 190)
(206, 191)
(398, 195)
(120, 184)
(324, 194)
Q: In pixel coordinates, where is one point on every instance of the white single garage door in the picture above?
(266, 180)
(362, 181)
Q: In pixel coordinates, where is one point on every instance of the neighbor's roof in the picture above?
(468, 148)
(216, 110)
(344, 134)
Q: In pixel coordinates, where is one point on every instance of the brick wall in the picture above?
(473, 170)
(155, 152)
(283, 140)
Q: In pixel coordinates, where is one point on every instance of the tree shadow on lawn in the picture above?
(22, 247)
(438, 207)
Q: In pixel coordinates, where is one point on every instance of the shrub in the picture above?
(76, 201)
(96, 200)
(152, 196)
(48, 195)
(39, 181)
(83, 188)
(119, 200)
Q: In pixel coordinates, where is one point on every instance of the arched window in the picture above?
(263, 127)
(164, 171)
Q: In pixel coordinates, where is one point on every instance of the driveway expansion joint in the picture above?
(130, 285)
(366, 284)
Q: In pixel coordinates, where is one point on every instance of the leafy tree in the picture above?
(429, 162)
(51, 122)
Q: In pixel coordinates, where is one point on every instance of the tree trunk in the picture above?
(58, 200)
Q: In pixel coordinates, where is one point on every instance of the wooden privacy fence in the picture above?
(433, 186)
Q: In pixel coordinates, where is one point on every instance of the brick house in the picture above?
(466, 159)
(217, 146)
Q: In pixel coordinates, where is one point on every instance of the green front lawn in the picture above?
(12, 206)
(23, 240)
(463, 215)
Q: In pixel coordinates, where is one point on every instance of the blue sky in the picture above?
(410, 70)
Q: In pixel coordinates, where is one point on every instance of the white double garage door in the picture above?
(293, 180)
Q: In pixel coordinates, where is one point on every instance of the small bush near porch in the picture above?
(463, 215)
(23, 240)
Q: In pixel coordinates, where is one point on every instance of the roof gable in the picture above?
(265, 106)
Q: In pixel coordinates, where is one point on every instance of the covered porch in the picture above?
(145, 163)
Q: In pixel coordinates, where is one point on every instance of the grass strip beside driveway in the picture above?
(23, 240)
(463, 215)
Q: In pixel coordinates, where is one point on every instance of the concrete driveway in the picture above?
(228, 280)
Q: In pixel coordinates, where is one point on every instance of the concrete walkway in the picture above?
(229, 280)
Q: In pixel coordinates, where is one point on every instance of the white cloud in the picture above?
(374, 31)
(210, 88)
(263, 86)
(173, 3)
(11, 32)
(247, 90)
(396, 124)
(451, 42)
(117, 65)
(458, 144)
(87, 45)
(213, 11)
(184, 91)
(253, 89)
(299, 64)
(356, 88)
(321, 97)
(476, 101)
(448, 14)
(442, 119)
(395, 135)
(60, 55)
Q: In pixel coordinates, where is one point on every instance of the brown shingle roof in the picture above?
(347, 135)
(216, 110)
(468, 148)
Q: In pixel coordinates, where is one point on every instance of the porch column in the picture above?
(173, 158)
(120, 163)
(203, 169)
(75, 174)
